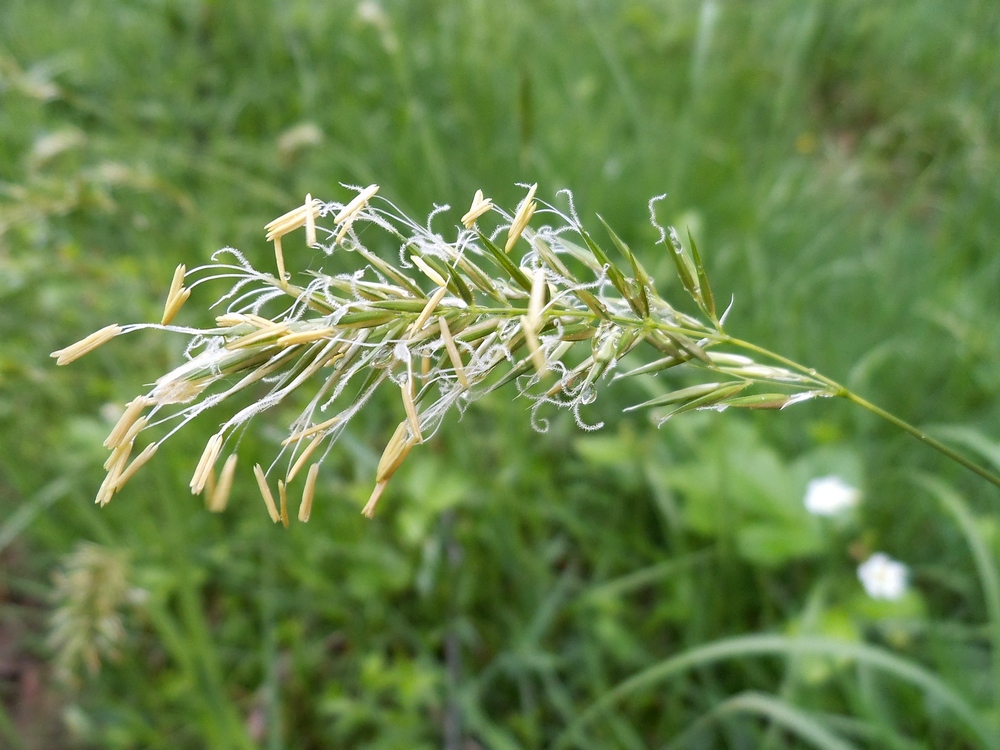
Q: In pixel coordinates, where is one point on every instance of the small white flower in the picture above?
(883, 577)
(828, 496)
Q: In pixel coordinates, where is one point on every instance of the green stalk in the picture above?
(844, 392)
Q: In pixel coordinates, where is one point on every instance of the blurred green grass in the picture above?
(837, 162)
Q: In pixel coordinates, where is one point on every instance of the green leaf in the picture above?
(505, 263)
(774, 544)
(781, 713)
(744, 647)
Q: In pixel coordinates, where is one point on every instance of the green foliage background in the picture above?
(838, 162)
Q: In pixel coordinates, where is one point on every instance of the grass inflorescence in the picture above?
(452, 319)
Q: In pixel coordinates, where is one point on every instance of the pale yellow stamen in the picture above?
(283, 496)
(107, 488)
(86, 345)
(175, 296)
(173, 306)
(396, 450)
(177, 282)
(429, 308)
(265, 492)
(334, 359)
(304, 337)
(343, 232)
(310, 431)
(137, 464)
(138, 426)
(258, 320)
(273, 331)
(131, 413)
(124, 449)
(292, 220)
(301, 461)
(369, 510)
(206, 463)
(209, 486)
(429, 272)
(234, 319)
(524, 213)
(305, 507)
(356, 205)
(453, 355)
(310, 221)
(537, 300)
(230, 319)
(279, 259)
(531, 339)
(480, 206)
(411, 409)
(220, 497)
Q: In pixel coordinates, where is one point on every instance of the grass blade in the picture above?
(986, 567)
(777, 645)
(778, 712)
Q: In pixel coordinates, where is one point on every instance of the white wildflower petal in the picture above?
(883, 577)
(830, 496)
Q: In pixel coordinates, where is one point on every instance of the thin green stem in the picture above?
(844, 392)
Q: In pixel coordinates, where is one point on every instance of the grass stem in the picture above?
(878, 411)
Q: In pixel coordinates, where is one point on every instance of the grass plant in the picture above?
(630, 587)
